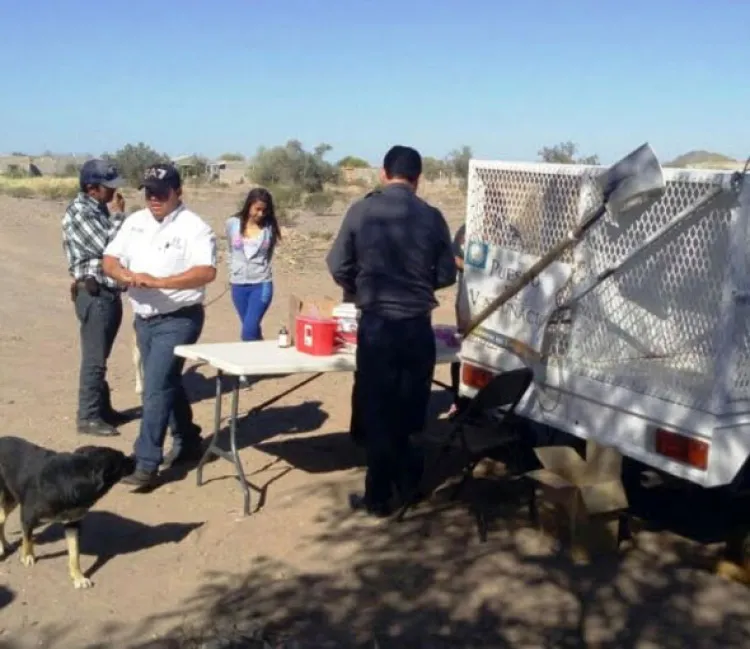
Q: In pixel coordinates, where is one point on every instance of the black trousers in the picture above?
(100, 317)
(395, 366)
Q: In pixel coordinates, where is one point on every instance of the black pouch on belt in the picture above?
(91, 286)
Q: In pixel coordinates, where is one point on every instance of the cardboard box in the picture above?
(314, 307)
(580, 502)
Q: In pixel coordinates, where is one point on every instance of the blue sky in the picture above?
(506, 77)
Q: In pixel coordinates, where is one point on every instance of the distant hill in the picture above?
(703, 160)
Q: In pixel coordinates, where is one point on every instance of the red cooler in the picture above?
(315, 336)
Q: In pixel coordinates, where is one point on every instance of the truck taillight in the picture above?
(475, 377)
(682, 448)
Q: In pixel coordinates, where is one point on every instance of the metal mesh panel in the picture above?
(658, 327)
(523, 210)
(739, 367)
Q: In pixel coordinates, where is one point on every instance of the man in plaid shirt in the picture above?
(87, 228)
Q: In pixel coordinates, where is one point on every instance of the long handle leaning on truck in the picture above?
(630, 186)
(531, 273)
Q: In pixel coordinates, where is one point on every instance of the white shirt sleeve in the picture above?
(202, 248)
(118, 247)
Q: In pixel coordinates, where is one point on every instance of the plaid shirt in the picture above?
(87, 228)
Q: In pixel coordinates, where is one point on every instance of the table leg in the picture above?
(442, 385)
(233, 444)
(233, 455)
(213, 445)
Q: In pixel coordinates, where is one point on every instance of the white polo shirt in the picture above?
(180, 242)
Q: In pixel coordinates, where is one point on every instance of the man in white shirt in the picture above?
(166, 255)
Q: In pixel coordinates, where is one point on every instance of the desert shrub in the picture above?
(319, 202)
(286, 197)
(71, 170)
(291, 166)
(566, 153)
(15, 171)
(58, 192)
(232, 157)
(20, 192)
(458, 164)
(433, 168)
(133, 160)
(353, 162)
(39, 187)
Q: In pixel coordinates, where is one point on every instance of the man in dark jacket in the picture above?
(392, 253)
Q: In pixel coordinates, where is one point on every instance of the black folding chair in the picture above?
(492, 408)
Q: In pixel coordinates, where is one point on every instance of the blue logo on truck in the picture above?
(476, 254)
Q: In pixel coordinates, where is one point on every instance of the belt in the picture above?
(183, 311)
(86, 285)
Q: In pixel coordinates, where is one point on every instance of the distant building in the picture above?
(190, 166)
(42, 165)
(224, 171)
(232, 172)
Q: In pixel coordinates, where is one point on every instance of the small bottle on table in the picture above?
(283, 340)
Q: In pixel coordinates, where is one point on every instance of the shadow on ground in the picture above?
(106, 535)
(201, 388)
(6, 596)
(429, 583)
(317, 453)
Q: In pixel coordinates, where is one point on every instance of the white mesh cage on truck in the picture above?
(655, 358)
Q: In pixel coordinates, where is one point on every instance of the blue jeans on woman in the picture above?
(251, 302)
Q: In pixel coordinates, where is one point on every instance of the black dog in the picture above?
(55, 487)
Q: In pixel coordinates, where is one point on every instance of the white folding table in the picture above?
(265, 358)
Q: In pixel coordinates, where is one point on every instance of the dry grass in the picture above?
(50, 188)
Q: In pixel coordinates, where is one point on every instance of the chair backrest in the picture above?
(505, 389)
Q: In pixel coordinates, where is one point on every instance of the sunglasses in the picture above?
(157, 194)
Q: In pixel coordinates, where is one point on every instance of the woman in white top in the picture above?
(252, 235)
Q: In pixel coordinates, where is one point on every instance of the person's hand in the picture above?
(144, 280)
(118, 203)
(126, 278)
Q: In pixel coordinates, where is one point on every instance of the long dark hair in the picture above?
(260, 194)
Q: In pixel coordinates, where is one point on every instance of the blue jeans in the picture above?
(164, 399)
(252, 302)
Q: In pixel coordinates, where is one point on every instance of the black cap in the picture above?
(100, 172)
(161, 177)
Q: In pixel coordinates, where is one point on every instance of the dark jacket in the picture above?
(393, 252)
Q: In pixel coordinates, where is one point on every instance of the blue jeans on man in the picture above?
(165, 402)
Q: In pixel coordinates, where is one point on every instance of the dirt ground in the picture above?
(181, 567)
